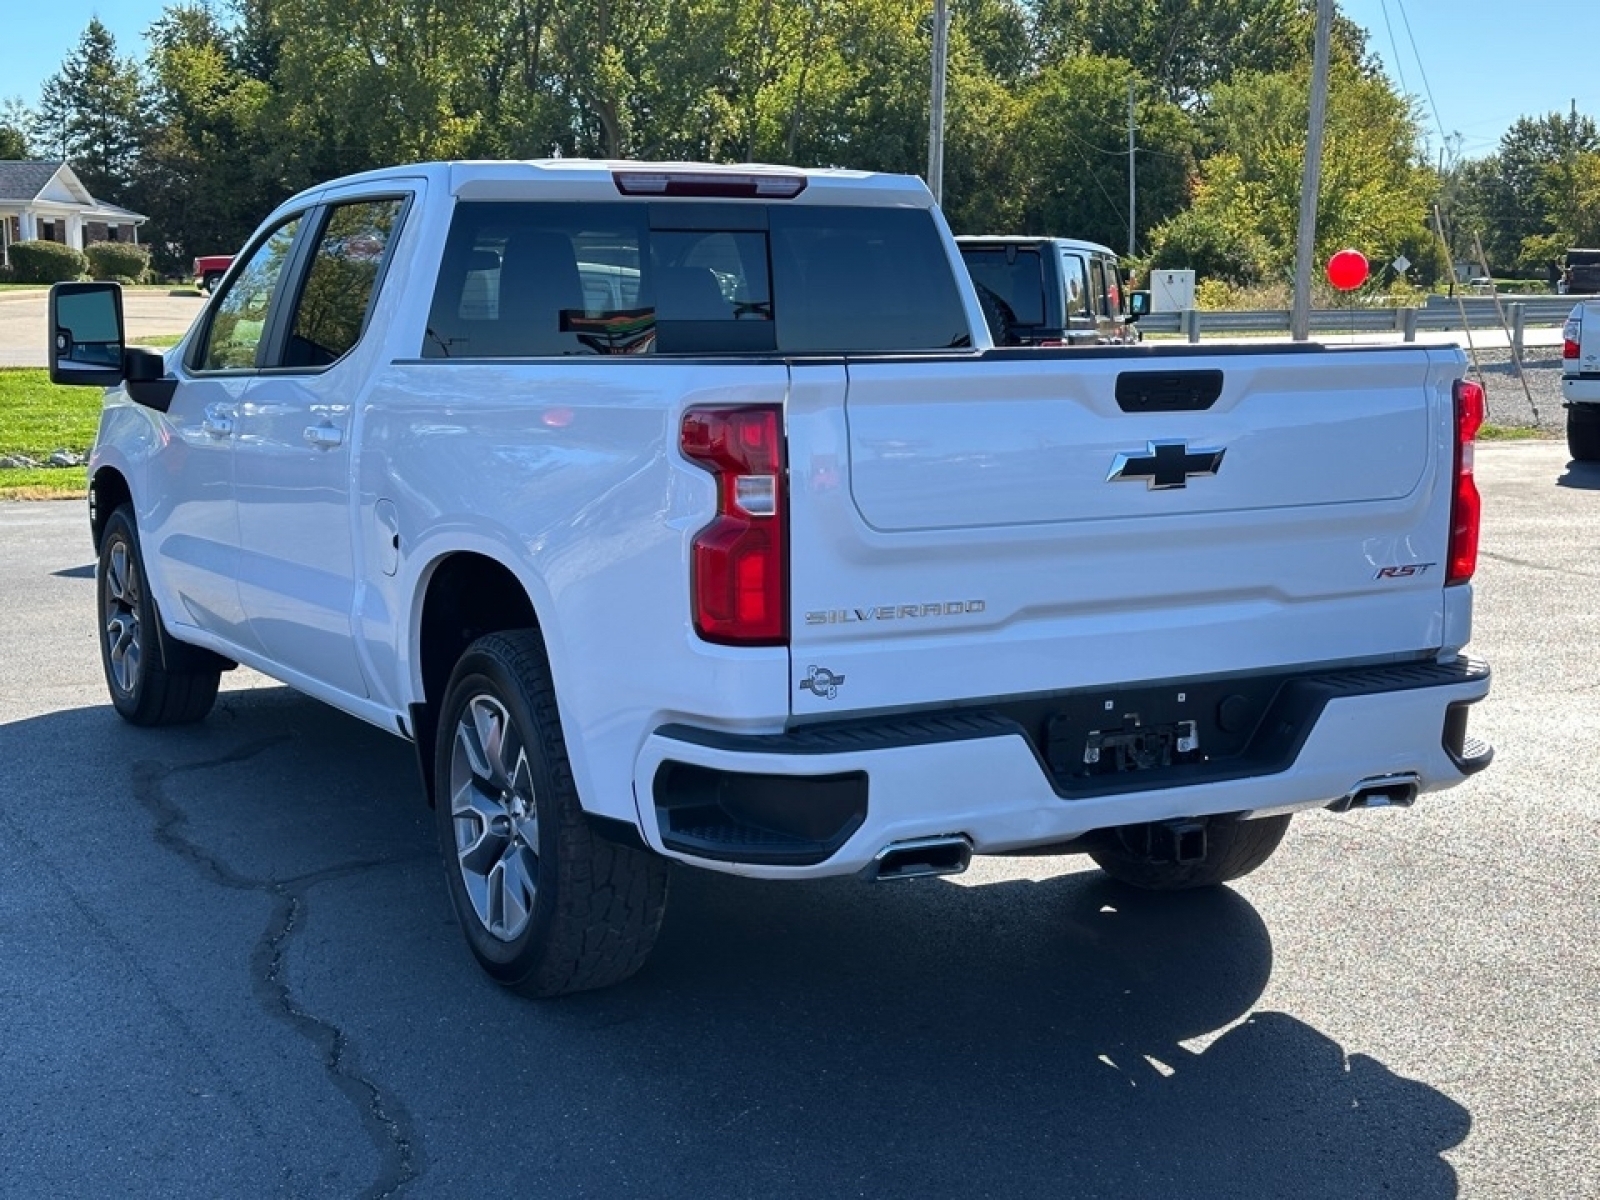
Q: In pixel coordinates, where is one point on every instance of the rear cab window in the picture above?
(555, 279)
(1014, 278)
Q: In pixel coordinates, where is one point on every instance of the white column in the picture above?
(75, 231)
(30, 227)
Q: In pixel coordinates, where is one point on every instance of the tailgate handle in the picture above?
(1167, 391)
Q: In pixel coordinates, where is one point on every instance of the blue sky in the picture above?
(1485, 62)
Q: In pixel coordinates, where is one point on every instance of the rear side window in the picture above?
(554, 279)
(1014, 280)
(1077, 280)
(341, 281)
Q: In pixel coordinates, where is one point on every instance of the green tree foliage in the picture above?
(1186, 48)
(1375, 189)
(1073, 124)
(250, 103)
(15, 122)
(1526, 188)
(203, 177)
(92, 113)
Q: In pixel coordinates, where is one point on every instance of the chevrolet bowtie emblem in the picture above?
(1166, 465)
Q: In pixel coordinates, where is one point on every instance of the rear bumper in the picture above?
(1580, 389)
(824, 800)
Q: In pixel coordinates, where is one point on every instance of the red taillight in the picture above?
(1466, 508)
(1569, 348)
(1050, 343)
(738, 563)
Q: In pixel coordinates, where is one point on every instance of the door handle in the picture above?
(323, 437)
(217, 423)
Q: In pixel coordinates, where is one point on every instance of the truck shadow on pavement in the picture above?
(1581, 475)
(1049, 1036)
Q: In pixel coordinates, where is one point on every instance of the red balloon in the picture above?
(1347, 269)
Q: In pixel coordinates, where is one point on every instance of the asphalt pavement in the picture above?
(148, 312)
(228, 968)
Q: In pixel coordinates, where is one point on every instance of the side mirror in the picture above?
(1138, 305)
(86, 334)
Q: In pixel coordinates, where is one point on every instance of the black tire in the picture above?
(570, 910)
(144, 689)
(1583, 432)
(1234, 848)
(209, 283)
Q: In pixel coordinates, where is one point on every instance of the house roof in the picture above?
(25, 180)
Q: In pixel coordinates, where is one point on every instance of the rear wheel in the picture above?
(144, 690)
(547, 906)
(1234, 848)
(209, 283)
(1583, 432)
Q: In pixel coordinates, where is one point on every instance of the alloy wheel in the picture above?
(495, 818)
(124, 647)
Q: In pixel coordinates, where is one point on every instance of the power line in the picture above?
(1444, 138)
(1394, 46)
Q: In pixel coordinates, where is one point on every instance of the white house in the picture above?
(45, 201)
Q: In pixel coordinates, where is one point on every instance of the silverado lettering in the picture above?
(889, 612)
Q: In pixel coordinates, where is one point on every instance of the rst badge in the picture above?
(1165, 465)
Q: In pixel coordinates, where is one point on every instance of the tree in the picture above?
(203, 178)
(1375, 189)
(1520, 192)
(91, 113)
(1073, 179)
(15, 122)
(1186, 48)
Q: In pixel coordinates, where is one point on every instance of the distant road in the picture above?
(149, 313)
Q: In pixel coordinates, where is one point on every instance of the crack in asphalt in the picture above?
(135, 966)
(384, 1118)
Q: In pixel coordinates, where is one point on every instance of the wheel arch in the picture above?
(108, 490)
(464, 595)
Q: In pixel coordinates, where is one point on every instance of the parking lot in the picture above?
(230, 967)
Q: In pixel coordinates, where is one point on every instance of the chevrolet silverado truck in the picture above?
(1580, 380)
(687, 514)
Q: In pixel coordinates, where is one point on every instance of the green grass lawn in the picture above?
(38, 418)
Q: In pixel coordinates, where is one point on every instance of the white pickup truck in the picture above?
(1580, 381)
(687, 513)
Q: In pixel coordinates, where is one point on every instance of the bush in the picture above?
(45, 262)
(118, 260)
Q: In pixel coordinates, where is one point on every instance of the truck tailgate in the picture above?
(966, 528)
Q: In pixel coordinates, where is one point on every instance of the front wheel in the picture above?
(1234, 848)
(547, 906)
(1583, 432)
(144, 689)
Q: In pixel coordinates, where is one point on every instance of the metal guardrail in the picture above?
(1439, 314)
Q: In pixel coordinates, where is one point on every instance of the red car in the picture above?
(209, 270)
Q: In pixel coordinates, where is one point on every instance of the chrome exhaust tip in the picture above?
(1380, 791)
(919, 857)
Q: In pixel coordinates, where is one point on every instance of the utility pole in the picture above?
(941, 46)
(1131, 149)
(1311, 177)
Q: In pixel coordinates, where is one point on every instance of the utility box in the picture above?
(1171, 291)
